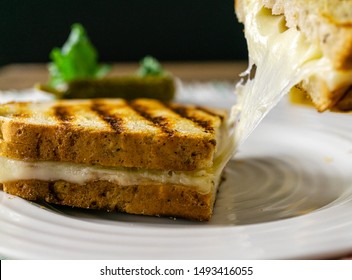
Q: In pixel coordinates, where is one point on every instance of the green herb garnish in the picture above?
(78, 59)
(149, 66)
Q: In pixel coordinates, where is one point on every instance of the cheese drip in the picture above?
(281, 57)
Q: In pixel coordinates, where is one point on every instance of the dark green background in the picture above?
(123, 30)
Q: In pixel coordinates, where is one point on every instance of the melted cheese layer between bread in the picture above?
(13, 170)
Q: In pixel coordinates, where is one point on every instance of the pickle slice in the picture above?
(127, 87)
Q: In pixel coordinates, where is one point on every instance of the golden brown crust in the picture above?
(107, 148)
(345, 103)
(185, 139)
(322, 97)
(153, 200)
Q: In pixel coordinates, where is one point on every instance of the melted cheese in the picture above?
(282, 58)
(12, 170)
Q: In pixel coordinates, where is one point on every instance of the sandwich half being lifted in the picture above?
(141, 156)
(302, 44)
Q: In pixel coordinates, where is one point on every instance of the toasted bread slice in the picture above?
(153, 200)
(326, 25)
(141, 133)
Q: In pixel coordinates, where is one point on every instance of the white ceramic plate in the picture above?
(287, 195)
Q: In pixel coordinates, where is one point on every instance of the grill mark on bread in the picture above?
(184, 112)
(209, 112)
(63, 114)
(38, 145)
(102, 110)
(22, 110)
(21, 115)
(158, 121)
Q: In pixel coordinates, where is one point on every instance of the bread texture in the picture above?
(141, 133)
(326, 24)
(152, 200)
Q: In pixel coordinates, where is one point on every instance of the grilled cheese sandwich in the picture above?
(141, 156)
